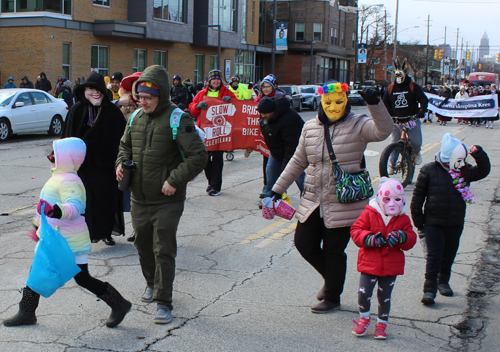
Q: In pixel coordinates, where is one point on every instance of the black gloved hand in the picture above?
(370, 96)
(226, 98)
(276, 196)
(201, 105)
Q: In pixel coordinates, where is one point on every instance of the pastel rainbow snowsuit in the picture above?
(66, 190)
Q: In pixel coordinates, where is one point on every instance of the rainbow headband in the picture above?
(333, 87)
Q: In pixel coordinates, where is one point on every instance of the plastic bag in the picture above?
(54, 262)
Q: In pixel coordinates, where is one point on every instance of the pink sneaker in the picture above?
(380, 331)
(361, 326)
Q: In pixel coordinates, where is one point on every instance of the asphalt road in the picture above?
(240, 284)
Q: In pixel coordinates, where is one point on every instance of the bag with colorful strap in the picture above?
(349, 187)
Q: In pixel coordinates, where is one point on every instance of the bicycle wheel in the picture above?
(229, 156)
(395, 162)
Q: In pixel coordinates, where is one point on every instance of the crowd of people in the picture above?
(125, 119)
(462, 92)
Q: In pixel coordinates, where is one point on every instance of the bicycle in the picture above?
(397, 159)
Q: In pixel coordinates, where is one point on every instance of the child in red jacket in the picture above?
(382, 232)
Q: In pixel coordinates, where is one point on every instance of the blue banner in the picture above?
(281, 35)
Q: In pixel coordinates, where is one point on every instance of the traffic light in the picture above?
(498, 57)
(440, 54)
(468, 55)
(436, 54)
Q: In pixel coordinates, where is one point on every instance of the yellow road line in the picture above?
(10, 212)
(277, 236)
(263, 231)
(455, 131)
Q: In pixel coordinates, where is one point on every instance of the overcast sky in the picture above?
(473, 17)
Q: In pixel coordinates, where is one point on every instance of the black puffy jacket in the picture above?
(282, 132)
(444, 205)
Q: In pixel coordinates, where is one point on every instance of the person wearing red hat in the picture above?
(215, 164)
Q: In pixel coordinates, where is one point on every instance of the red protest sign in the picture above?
(232, 125)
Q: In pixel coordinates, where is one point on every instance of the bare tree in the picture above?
(375, 32)
(414, 52)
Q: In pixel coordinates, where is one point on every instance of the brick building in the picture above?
(73, 37)
(317, 31)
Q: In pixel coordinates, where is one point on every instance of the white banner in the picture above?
(473, 107)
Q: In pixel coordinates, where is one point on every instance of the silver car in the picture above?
(30, 110)
(310, 96)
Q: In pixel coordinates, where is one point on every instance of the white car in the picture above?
(30, 110)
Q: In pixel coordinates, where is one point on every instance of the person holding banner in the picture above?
(240, 90)
(215, 164)
(324, 226)
(490, 120)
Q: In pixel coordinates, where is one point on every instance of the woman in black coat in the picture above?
(100, 124)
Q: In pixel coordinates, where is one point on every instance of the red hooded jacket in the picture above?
(223, 92)
(381, 261)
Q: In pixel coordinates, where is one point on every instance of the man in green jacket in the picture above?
(159, 182)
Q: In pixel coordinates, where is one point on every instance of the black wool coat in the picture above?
(98, 169)
(444, 205)
(282, 132)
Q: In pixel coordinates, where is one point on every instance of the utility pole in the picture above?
(395, 33)
(461, 57)
(442, 63)
(456, 58)
(385, 42)
(466, 52)
(273, 51)
(427, 49)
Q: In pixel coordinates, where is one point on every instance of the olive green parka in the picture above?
(148, 141)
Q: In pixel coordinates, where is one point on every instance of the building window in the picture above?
(299, 31)
(224, 13)
(66, 60)
(253, 16)
(102, 2)
(57, 6)
(335, 36)
(199, 63)
(139, 60)
(342, 39)
(213, 62)
(354, 40)
(244, 65)
(160, 58)
(375, 61)
(99, 59)
(169, 10)
(318, 32)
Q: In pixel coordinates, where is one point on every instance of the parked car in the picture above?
(310, 96)
(355, 98)
(30, 110)
(294, 96)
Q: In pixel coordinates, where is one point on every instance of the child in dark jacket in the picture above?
(443, 186)
(382, 232)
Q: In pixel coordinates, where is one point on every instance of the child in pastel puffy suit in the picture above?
(64, 199)
(382, 232)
